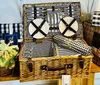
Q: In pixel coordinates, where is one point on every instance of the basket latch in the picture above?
(81, 61)
(30, 64)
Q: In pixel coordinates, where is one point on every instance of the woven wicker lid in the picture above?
(51, 12)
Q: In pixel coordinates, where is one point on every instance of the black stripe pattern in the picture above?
(34, 50)
(16, 28)
(4, 29)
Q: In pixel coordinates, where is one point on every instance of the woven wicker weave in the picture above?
(4, 72)
(92, 37)
(88, 32)
(55, 65)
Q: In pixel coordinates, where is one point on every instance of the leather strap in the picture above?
(35, 12)
(70, 10)
(53, 8)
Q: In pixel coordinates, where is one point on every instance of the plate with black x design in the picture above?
(38, 28)
(68, 26)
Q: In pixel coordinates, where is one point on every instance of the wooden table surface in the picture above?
(85, 81)
(94, 68)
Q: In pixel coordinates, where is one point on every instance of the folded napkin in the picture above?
(74, 45)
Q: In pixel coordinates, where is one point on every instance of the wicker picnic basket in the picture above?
(92, 37)
(4, 72)
(91, 34)
(47, 60)
(8, 54)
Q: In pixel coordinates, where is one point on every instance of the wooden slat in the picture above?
(89, 80)
(59, 82)
(76, 81)
(8, 78)
(84, 81)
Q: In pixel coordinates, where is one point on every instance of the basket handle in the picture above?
(46, 68)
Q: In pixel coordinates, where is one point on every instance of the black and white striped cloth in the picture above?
(62, 51)
(96, 18)
(33, 50)
(77, 46)
(10, 29)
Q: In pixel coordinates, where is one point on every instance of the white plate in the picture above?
(44, 28)
(62, 26)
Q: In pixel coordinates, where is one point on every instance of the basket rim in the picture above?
(49, 3)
